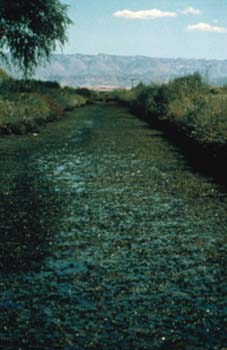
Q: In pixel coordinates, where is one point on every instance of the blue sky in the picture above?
(157, 28)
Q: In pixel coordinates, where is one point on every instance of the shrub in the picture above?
(198, 110)
(21, 112)
(24, 105)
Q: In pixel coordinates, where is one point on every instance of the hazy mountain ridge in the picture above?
(117, 71)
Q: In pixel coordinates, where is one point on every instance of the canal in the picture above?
(109, 240)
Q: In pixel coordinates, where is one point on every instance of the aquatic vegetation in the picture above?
(122, 246)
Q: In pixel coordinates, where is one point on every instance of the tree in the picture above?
(31, 30)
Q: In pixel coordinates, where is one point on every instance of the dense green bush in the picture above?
(21, 112)
(25, 105)
(12, 85)
(188, 104)
(203, 117)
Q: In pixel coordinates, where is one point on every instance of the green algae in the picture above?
(108, 240)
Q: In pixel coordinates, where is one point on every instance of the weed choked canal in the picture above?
(109, 241)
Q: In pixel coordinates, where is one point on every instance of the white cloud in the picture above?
(144, 14)
(190, 11)
(205, 27)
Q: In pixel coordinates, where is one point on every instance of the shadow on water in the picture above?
(25, 222)
(30, 208)
(199, 159)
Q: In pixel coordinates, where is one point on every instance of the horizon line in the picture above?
(139, 55)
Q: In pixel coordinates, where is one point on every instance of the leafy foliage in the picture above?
(26, 105)
(31, 30)
(187, 103)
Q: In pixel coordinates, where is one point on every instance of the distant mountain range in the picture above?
(109, 71)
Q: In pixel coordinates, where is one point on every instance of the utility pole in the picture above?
(132, 83)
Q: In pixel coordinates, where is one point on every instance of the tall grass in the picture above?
(26, 105)
(188, 104)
